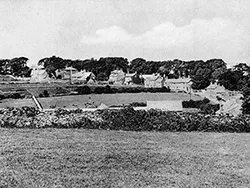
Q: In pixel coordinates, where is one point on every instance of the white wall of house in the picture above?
(180, 84)
(153, 80)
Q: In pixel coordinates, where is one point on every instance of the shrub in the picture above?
(30, 111)
(83, 90)
(108, 89)
(2, 97)
(138, 104)
(210, 108)
(136, 79)
(195, 104)
(45, 93)
(14, 96)
(99, 90)
(101, 77)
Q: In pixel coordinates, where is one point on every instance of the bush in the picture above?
(195, 104)
(138, 104)
(108, 89)
(210, 108)
(136, 79)
(14, 96)
(2, 97)
(83, 90)
(45, 93)
(99, 90)
(30, 111)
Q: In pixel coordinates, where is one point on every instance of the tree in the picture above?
(51, 64)
(16, 67)
(201, 79)
(231, 80)
(102, 77)
(137, 65)
(242, 67)
(136, 79)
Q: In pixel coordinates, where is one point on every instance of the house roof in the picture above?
(82, 75)
(69, 68)
(178, 80)
(130, 74)
(103, 106)
(117, 75)
(216, 86)
(151, 77)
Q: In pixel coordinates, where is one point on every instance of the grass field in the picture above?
(108, 99)
(96, 158)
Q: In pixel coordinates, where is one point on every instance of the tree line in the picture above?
(201, 72)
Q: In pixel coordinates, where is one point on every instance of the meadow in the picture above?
(99, 158)
(74, 101)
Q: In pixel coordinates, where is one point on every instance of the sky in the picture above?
(150, 29)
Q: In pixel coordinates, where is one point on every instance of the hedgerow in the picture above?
(83, 90)
(126, 119)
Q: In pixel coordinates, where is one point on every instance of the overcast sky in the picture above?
(151, 29)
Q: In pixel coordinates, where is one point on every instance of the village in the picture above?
(229, 101)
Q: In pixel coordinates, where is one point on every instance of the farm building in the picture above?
(180, 84)
(214, 89)
(65, 73)
(153, 80)
(117, 77)
(230, 101)
(82, 76)
(39, 75)
(214, 92)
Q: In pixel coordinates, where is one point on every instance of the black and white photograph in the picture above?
(124, 93)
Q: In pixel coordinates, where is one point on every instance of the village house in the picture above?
(128, 78)
(76, 76)
(153, 80)
(230, 101)
(65, 73)
(117, 77)
(179, 84)
(215, 92)
(84, 77)
(39, 75)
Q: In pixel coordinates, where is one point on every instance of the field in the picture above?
(108, 99)
(96, 158)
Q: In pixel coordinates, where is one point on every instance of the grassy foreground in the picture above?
(99, 158)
